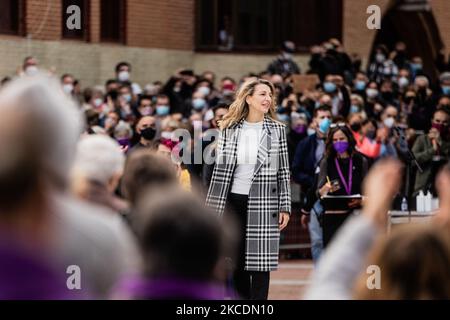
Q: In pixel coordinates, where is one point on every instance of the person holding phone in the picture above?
(251, 180)
(342, 171)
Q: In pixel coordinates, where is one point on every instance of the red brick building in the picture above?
(230, 37)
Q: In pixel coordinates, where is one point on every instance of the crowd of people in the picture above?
(96, 177)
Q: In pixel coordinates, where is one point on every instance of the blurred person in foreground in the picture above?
(144, 169)
(97, 170)
(82, 235)
(183, 245)
(414, 260)
(27, 269)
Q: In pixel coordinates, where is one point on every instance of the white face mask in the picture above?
(166, 135)
(98, 102)
(123, 76)
(68, 88)
(389, 122)
(311, 131)
(403, 82)
(371, 93)
(31, 70)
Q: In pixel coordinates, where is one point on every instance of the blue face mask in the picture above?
(324, 125)
(354, 109)
(446, 90)
(329, 87)
(162, 110)
(127, 97)
(360, 85)
(198, 104)
(283, 117)
(416, 66)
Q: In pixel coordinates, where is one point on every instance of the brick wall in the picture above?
(43, 19)
(161, 24)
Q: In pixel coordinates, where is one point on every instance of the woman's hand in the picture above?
(326, 188)
(283, 220)
(354, 203)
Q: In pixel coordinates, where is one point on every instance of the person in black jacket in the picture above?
(284, 65)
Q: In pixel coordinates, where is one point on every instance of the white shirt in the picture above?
(247, 154)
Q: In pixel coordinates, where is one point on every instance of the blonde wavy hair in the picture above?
(239, 108)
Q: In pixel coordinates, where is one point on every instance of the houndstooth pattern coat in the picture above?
(269, 195)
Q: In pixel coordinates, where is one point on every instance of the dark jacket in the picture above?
(303, 166)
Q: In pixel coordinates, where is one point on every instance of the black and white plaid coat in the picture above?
(269, 195)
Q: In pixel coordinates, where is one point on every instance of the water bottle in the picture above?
(404, 206)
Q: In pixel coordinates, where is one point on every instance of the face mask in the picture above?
(446, 90)
(387, 95)
(340, 146)
(283, 117)
(31, 70)
(287, 55)
(162, 110)
(324, 125)
(127, 97)
(329, 87)
(360, 85)
(443, 129)
(310, 131)
(354, 109)
(124, 142)
(371, 134)
(389, 122)
(98, 102)
(371, 93)
(68, 88)
(166, 135)
(205, 91)
(123, 76)
(300, 129)
(409, 99)
(403, 82)
(380, 57)
(146, 111)
(416, 66)
(198, 104)
(176, 89)
(148, 133)
(356, 127)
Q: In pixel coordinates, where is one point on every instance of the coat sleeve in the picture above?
(284, 175)
(421, 152)
(211, 199)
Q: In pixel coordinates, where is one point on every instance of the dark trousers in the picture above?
(251, 285)
(331, 224)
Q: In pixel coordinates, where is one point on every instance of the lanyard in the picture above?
(348, 188)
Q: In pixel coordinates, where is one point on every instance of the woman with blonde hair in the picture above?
(251, 180)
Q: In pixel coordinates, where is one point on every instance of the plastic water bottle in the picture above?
(404, 206)
(420, 202)
(428, 198)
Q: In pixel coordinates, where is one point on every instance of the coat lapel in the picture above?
(264, 147)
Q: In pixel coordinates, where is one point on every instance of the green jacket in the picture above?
(424, 152)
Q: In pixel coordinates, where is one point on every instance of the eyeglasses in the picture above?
(337, 125)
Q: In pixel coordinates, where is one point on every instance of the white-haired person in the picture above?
(251, 179)
(89, 242)
(97, 170)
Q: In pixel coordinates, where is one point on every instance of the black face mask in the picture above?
(371, 134)
(148, 133)
(356, 127)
